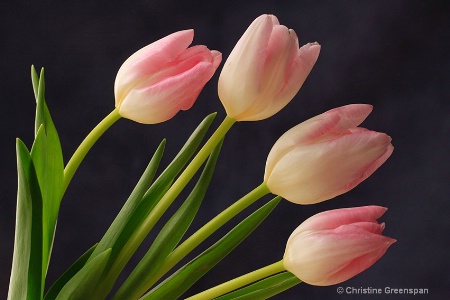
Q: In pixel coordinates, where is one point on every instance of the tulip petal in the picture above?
(301, 134)
(334, 218)
(377, 163)
(351, 115)
(314, 129)
(363, 262)
(282, 52)
(327, 257)
(328, 169)
(272, 79)
(162, 101)
(239, 80)
(163, 78)
(217, 58)
(150, 59)
(301, 67)
(264, 71)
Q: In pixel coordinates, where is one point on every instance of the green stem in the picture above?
(86, 145)
(138, 236)
(209, 228)
(239, 282)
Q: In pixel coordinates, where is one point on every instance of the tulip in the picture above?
(161, 79)
(264, 71)
(333, 246)
(325, 156)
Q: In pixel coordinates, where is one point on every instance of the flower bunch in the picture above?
(315, 161)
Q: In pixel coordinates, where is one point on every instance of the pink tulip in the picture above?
(265, 70)
(333, 246)
(326, 156)
(161, 79)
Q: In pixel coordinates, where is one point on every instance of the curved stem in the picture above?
(156, 213)
(239, 282)
(209, 228)
(86, 145)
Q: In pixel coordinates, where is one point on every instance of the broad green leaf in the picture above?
(264, 289)
(82, 284)
(49, 171)
(169, 236)
(70, 272)
(137, 210)
(26, 274)
(175, 285)
(47, 157)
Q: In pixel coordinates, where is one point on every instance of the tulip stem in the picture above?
(208, 229)
(239, 282)
(87, 144)
(138, 236)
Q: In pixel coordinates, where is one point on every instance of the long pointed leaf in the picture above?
(174, 286)
(47, 157)
(265, 288)
(82, 285)
(35, 81)
(18, 284)
(26, 273)
(54, 290)
(40, 102)
(143, 207)
(116, 230)
(169, 236)
(49, 171)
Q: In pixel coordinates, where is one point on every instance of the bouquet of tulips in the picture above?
(317, 160)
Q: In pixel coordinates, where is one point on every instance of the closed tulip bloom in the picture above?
(333, 246)
(161, 79)
(326, 156)
(265, 70)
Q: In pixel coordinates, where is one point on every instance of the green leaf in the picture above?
(68, 274)
(175, 285)
(265, 288)
(35, 81)
(40, 102)
(26, 274)
(47, 157)
(135, 212)
(82, 285)
(112, 237)
(169, 236)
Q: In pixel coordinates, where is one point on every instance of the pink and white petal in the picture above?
(299, 135)
(325, 256)
(160, 102)
(216, 58)
(377, 163)
(352, 115)
(302, 66)
(361, 263)
(154, 56)
(334, 218)
(239, 80)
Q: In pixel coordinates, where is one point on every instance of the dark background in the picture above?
(392, 54)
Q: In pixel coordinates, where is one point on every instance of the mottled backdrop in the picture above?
(392, 54)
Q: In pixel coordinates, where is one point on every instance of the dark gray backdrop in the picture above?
(392, 54)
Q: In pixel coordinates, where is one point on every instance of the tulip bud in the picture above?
(161, 79)
(325, 156)
(333, 246)
(264, 71)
